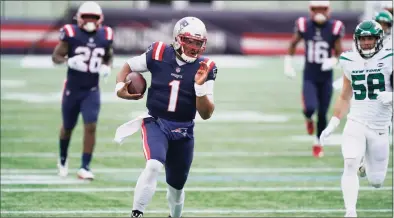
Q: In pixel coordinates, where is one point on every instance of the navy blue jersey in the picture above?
(171, 95)
(319, 42)
(93, 46)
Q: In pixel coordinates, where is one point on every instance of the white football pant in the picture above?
(359, 141)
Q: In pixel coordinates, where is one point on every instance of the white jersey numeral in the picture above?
(91, 58)
(173, 95)
(317, 51)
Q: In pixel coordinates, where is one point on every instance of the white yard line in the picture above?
(193, 170)
(190, 189)
(195, 211)
(196, 154)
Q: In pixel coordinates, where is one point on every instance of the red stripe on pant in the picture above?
(145, 144)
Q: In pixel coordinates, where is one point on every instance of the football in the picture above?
(138, 83)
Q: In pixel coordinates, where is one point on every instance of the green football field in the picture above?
(253, 158)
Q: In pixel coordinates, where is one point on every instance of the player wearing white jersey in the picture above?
(385, 19)
(367, 90)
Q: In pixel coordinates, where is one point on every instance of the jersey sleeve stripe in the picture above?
(301, 23)
(109, 34)
(336, 27)
(69, 30)
(158, 50)
(210, 64)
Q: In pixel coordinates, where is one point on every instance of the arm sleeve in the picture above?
(138, 63)
(345, 72)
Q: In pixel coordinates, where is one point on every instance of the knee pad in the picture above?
(153, 166)
(351, 166)
(175, 195)
(376, 179)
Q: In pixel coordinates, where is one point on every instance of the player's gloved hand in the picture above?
(332, 125)
(289, 70)
(122, 91)
(329, 63)
(385, 98)
(77, 63)
(105, 71)
(200, 78)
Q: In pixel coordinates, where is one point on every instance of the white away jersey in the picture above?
(368, 77)
(388, 39)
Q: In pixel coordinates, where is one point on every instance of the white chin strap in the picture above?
(90, 26)
(368, 52)
(320, 18)
(187, 58)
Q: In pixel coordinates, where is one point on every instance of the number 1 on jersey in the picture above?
(173, 95)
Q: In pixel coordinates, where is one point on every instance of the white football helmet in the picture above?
(319, 10)
(190, 37)
(90, 16)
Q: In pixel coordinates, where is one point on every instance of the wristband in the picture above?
(119, 86)
(200, 89)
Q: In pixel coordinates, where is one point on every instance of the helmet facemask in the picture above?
(190, 47)
(368, 45)
(319, 14)
(89, 22)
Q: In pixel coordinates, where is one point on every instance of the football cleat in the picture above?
(309, 126)
(317, 151)
(85, 174)
(137, 213)
(62, 169)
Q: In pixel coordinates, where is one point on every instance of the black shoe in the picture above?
(137, 213)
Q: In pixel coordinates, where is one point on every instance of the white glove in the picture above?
(385, 98)
(105, 71)
(77, 63)
(289, 70)
(329, 63)
(332, 125)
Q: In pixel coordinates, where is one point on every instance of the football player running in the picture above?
(367, 91)
(321, 35)
(182, 84)
(87, 49)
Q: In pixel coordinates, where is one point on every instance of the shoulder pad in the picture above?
(158, 50)
(109, 33)
(336, 27)
(346, 56)
(69, 30)
(386, 54)
(211, 64)
(301, 24)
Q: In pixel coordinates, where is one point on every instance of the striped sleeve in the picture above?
(300, 26)
(67, 32)
(213, 70)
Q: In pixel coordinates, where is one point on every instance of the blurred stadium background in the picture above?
(253, 158)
